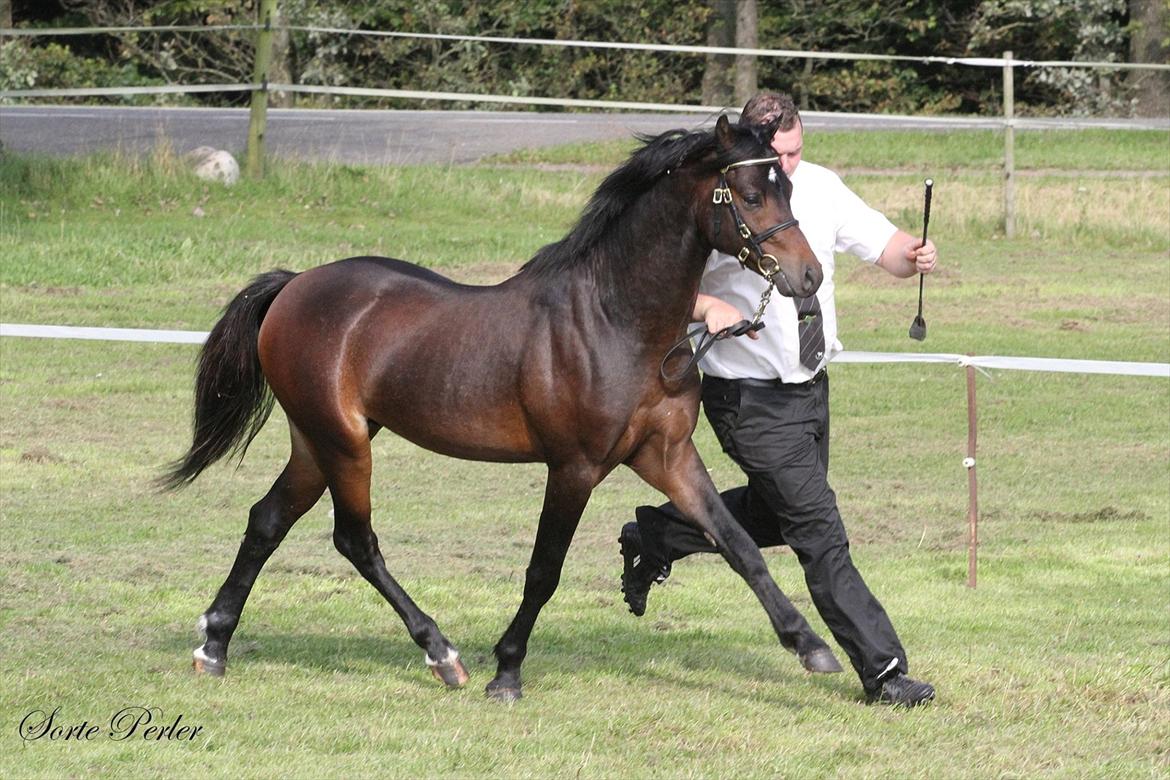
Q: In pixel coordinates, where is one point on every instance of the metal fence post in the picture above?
(258, 117)
(1009, 148)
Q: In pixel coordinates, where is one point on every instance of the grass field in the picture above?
(1057, 665)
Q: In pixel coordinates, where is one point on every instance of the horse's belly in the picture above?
(454, 402)
(501, 438)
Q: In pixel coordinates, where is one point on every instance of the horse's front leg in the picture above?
(565, 496)
(676, 469)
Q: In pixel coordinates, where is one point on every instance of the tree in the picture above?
(1149, 42)
(717, 76)
(280, 71)
(1078, 30)
(729, 78)
(180, 57)
(746, 37)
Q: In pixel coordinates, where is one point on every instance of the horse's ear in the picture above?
(723, 133)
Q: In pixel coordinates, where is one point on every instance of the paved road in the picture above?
(380, 136)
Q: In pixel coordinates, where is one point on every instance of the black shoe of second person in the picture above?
(637, 576)
(903, 691)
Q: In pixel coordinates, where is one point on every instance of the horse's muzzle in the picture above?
(810, 280)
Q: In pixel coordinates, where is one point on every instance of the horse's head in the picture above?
(751, 213)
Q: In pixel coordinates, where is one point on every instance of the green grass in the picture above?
(1057, 665)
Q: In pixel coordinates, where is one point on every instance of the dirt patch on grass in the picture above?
(40, 455)
(1106, 514)
(53, 290)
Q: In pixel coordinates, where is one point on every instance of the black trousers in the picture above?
(779, 435)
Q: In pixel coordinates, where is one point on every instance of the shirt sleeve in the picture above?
(862, 231)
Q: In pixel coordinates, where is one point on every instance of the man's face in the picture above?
(788, 145)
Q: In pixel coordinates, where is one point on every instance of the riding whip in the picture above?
(918, 327)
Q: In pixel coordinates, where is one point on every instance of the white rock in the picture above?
(214, 165)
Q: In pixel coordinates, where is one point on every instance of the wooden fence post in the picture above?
(258, 117)
(1009, 148)
(972, 487)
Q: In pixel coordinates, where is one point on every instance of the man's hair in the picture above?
(770, 109)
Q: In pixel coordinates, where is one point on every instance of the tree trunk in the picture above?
(1148, 43)
(281, 71)
(746, 37)
(717, 76)
(6, 13)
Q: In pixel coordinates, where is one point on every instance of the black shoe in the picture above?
(903, 691)
(637, 576)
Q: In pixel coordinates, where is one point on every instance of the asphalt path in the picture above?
(401, 137)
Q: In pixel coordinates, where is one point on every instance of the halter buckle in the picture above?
(743, 255)
(773, 266)
(722, 195)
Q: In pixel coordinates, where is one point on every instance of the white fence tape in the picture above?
(897, 121)
(1071, 366)
(1062, 365)
(103, 334)
(34, 32)
(471, 98)
(164, 89)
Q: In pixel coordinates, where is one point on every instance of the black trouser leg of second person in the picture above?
(779, 436)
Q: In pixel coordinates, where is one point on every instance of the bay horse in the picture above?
(561, 364)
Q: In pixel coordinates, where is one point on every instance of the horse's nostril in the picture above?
(811, 281)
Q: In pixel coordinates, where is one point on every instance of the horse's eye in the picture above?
(752, 199)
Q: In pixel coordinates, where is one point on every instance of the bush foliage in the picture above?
(1090, 30)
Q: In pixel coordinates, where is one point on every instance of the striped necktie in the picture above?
(812, 331)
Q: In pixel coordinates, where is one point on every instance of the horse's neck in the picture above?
(650, 287)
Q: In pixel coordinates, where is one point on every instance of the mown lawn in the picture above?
(1058, 664)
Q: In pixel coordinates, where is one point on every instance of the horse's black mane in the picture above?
(659, 155)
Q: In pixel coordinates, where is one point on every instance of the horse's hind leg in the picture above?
(565, 497)
(347, 470)
(294, 493)
(678, 472)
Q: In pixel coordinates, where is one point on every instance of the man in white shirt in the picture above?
(767, 399)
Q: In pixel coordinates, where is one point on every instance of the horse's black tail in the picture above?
(232, 398)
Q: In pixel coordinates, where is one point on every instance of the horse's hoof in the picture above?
(821, 661)
(453, 675)
(205, 664)
(503, 695)
(450, 670)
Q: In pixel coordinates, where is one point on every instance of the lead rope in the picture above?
(708, 339)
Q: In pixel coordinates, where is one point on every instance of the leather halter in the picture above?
(763, 263)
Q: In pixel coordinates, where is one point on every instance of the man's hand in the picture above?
(717, 314)
(905, 255)
(923, 257)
